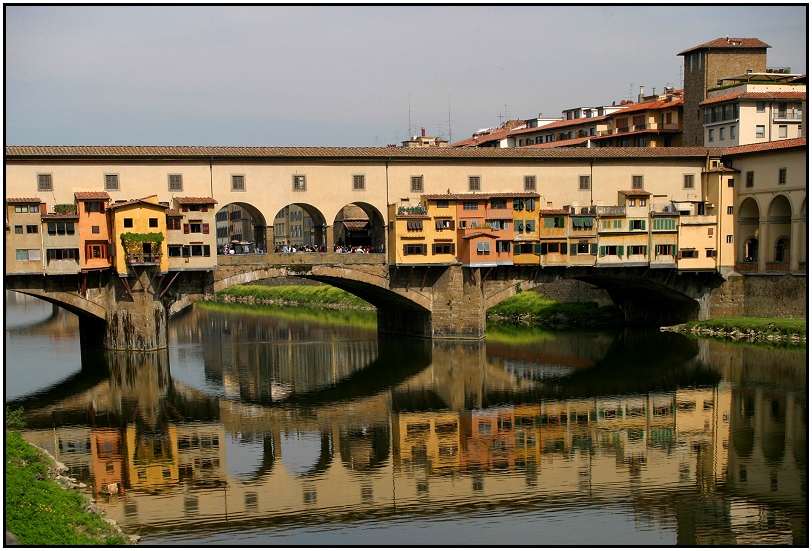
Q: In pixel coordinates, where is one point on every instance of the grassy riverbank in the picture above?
(531, 308)
(39, 511)
(784, 330)
(321, 295)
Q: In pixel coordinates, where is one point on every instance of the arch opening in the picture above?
(299, 227)
(359, 226)
(241, 227)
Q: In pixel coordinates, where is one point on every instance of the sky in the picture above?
(360, 75)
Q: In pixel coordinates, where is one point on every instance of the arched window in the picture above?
(751, 250)
(782, 250)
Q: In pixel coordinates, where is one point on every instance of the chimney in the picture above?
(640, 96)
(423, 131)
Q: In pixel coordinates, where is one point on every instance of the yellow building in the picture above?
(553, 225)
(139, 216)
(23, 235)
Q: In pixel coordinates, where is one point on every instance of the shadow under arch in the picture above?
(232, 224)
(360, 224)
(748, 226)
(300, 225)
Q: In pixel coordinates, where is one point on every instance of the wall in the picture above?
(783, 296)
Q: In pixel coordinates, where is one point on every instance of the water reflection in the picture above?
(700, 441)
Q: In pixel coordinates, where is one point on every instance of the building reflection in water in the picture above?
(730, 454)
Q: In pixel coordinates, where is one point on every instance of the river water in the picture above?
(289, 427)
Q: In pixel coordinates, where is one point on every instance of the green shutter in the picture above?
(573, 249)
(536, 248)
(673, 250)
(517, 248)
(643, 224)
(593, 249)
(631, 225)
(620, 250)
(549, 222)
(603, 250)
(517, 225)
(645, 249)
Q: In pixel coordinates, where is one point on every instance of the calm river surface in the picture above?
(273, 427)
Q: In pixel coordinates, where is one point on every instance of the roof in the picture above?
(755, 96)
(561, 143)
(23, 200)
(482, 233)
(479, 139)
(184, 153)
(195, 201)
(135, 201)
(174, 213)
(766, 146)
(560, 123)
(554, 211)
(60, 216)
(356, 224)
(92, 195)
(628, 192)
(657, 104)
(728, 42)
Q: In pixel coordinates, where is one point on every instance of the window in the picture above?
(444, 224)
(94, 229)
(530, 183)
(688, 181)
(503, 246)
(729, 239)
(29, 254)
(237, 182)
(721, 134)
(782, 175)
(18, 229)
(800, 131)
(664, 224)
(750, 179)
(358, 182)
(31, 228)
(584, 182)
(299, 182)
(642, 201)
(782, 131)
(44, 182)
(442, 248)
(174, 250)
(60, 228)
(414, 225)
(417, 184)
(470, 205)
(128, 222)
(730, 210)
(636, 249)
(759, 131)
(69, 254)
(760, 106)
(710, 253)
(498, 203)
(632, 202)
(172, 223)
(637, 182)
(94, 206)
(665, 250)
(483, 247)
(473, 183)
(732, 131)
(111, 182)
(730, 182)
(710, 135)
(418, 248)
(175, 182)
(710, 232)
(196, 226)
(637, 224)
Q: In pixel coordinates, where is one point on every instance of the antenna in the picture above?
(631, 89)
(449, 118)
(409, 130)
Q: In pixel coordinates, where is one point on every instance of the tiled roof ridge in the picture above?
(730, 42)
(23, 200)
(789, 143)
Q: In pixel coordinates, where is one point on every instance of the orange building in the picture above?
(94, 230)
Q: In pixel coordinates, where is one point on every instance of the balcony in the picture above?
(787, 114)
(143, 259)
(610, 210)
(499, 214)
(654, 127)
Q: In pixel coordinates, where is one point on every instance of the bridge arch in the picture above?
(779, 220)
(360, 224)
(241, 222)
(748, 234)
(300, 225)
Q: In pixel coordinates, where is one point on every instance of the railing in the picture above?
(144, 258)
(610, 210)
(788, 114)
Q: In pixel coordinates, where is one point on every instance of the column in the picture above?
(763, 245)
(795, 245)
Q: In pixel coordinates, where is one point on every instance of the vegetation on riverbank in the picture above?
(531, 308)
(39, 511)
(779, 330)
(341, 316)
(293, 295)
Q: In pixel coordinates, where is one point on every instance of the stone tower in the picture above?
(705, 65)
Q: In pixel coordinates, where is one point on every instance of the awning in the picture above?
(356, 225)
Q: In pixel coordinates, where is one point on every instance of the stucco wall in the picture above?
(776, 296)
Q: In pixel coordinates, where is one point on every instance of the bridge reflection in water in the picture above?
(454, 423)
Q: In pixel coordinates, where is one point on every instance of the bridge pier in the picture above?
(136, 317)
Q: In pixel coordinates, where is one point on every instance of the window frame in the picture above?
(235, 186)
(530, 182)
(416, 184)
(474, 183)
(299, 182)
(584, 182)
(174, 182)
(688, 181)
(782, 176)
(45, 181)
(111, 182)
(359, 182)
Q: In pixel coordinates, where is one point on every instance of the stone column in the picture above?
(795, 244)
(458, 310)
(763, 247)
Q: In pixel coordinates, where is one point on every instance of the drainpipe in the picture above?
(211, 178)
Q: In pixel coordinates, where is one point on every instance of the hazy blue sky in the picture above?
(346, 76)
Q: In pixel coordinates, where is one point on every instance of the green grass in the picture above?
(354, 317)
(321, 294)
(769, 326)
(41, 512)
(543, 310)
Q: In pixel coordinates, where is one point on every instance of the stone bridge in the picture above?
(432, 301)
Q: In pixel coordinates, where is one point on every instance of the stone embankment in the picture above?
(737, 335)
(252, 300)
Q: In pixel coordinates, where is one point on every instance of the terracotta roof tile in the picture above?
(755, 96)
(23, 200)
(481, 234)
(59, 216)
(554, 211)
(134, 201)
(560, 143)
(729, 43)
(356, 224)
(766, 146)
(174, 213)
(183, 153)
(195, 201)
(633, 192)
(482, 196)
(92, 195)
